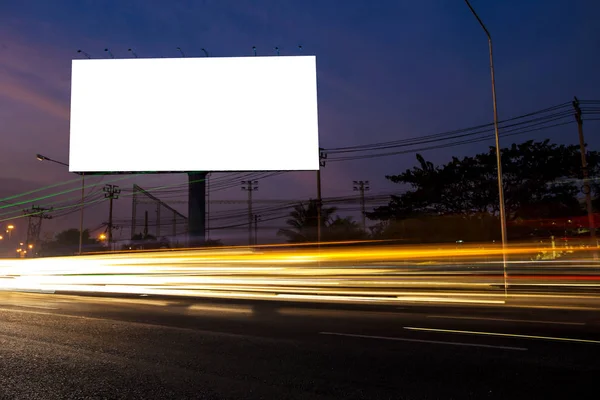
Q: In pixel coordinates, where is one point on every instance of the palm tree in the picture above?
(303, 222)
(341, 229)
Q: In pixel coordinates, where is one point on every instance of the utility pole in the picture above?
(322, 162)
(36, 216)
(157, 219)
(362, 186)
(207, 204)
(250, 186)
(133, 211)
(256, 219)
(111, 192)
(587, 189)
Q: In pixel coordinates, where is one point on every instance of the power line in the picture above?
(529, 123)
(442, 146)
(485, 127)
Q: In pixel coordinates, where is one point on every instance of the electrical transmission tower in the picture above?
(111, 192)
(362, 186)
(250, 186)
(36, 216)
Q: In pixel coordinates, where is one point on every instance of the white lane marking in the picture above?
(424, 341)
(507, 320)
(115, 321)
(514, 335)
(28, 306)
(54, 314)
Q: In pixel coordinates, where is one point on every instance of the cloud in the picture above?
(34, 76)
(23, 94)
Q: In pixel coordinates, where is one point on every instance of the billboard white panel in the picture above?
(194, 114)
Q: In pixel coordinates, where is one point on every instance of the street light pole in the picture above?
(498, 151)
(207, 179)
(44, 158)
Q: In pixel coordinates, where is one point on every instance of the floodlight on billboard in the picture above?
(194, 114)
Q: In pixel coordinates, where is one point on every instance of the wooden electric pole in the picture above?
(250, 186)
(111, 192)
(587, 189)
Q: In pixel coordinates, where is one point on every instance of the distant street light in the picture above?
(132, 52)
(181, 51)
(44, 158)
(254, 50)
(109, 53)
(498, 149)
(277, 50)
(9, 230)
(204, 51)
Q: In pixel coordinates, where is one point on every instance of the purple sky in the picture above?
(387, 70)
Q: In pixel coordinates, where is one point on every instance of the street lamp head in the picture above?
(10, 227)
(84, 53)
(44, 158)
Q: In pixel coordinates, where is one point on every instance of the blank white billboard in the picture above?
(194, 114)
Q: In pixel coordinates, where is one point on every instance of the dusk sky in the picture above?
(387, 70)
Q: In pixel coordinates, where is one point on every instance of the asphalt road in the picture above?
(82, 347)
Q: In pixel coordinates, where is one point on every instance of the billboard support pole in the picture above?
(196, 208)
(81, 213)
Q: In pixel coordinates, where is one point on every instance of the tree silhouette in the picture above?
(541, 181)
(67, 243)
(342, 229)
(303, 222)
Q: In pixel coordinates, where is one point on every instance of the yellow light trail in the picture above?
(355, 274)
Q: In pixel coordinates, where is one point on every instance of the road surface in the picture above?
(83, 347)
